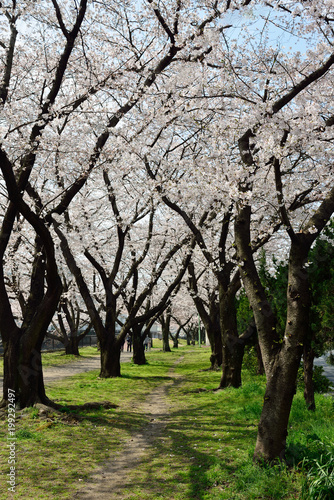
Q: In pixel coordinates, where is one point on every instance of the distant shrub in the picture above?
(330, 359)
(321, 383)
(250, 360)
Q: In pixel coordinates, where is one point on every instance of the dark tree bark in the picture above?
(110, 358)
(72, 346)
(233, 346)
(23, 373)
(165, 327)
(308, 358)
(216, 358)
(260, 367)
(22, 345)
(210, 319)
(138, 346)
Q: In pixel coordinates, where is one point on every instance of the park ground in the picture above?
(166, 434)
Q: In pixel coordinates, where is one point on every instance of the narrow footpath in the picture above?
(111, 481)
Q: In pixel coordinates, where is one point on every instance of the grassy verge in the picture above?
(205, 452)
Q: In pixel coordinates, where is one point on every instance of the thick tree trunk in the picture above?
(165, 340)
(216, 360)
(282, 368)
(233, 346)
(22, 346)
(212, 328)
(233, 353)
(216, 357)
(308, 357)
(72, 345)
(23, 373)
(280, 390)
(110, 358)
(281, 358)
(138, 347)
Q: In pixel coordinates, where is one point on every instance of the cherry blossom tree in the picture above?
(72, 72)
(289, 144)
(71, 323)
(132, 256)
(22, 361)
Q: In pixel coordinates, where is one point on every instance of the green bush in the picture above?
(250, 360)
(330, 359)
(321, 383)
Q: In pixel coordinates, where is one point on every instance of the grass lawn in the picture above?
(205, 452)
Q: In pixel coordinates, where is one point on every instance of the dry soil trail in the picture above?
(116, 475)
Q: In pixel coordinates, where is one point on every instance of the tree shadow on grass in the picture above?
(156, 378)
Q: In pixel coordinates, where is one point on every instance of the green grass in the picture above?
(205, 452)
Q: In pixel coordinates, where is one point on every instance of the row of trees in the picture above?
(148, 148)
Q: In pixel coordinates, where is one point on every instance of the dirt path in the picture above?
(110, 481)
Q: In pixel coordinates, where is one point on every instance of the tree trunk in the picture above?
(212, 326)
(165, 323)
(72, 345)
(23, 373)
(308, 357)
(260, 367)
(138, 347)
(216, 358)
(282, 367)
(280, 390)
(165, 340)
(281, 358)
(110, 358)
(233, 346)
(232, 363)
(22, 346)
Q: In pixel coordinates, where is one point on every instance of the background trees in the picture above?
(72, 73)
